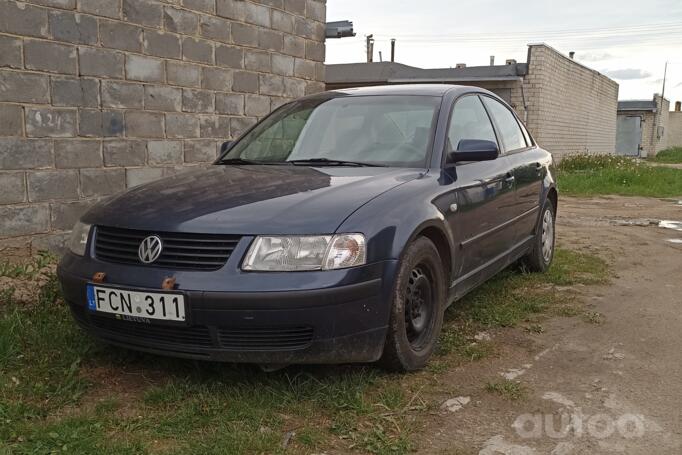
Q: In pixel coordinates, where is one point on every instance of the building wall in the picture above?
(657, 142)
(571, 108)
(675, 129)
(97, 96)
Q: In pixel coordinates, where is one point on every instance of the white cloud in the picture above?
(594, 56)
(627, 73)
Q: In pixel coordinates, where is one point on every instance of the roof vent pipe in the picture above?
(678, 106)
(492, 60)
(393, 50)
(571, 55)
(370, 48)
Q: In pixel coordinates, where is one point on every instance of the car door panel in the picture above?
(530, 170)
(485, 204)
(480, 210)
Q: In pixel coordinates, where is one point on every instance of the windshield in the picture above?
(375, 130)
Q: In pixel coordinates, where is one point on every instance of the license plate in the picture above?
(136, 305)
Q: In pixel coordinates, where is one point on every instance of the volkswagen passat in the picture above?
(338, 229)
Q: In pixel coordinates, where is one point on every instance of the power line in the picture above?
(572, 31)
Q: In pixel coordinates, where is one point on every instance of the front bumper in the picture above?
(323, 317)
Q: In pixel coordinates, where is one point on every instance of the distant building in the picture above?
(642, 127)
(568, 107)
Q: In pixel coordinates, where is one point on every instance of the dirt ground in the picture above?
(607, 388)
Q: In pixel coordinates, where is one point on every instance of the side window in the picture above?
(512, 136)
(526, 134)
(469, 121)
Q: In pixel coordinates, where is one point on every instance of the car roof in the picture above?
(403, 89)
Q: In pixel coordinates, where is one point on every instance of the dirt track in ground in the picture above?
(618, 384)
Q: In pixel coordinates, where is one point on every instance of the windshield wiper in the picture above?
(242, 161)
(328, 162)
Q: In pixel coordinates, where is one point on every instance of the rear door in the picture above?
(485, 191)
(629, 135)
(525, 160)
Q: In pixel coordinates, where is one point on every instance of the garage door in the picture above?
(629, 135)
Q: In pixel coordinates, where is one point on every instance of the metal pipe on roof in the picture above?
(370, 48)
(392, 49)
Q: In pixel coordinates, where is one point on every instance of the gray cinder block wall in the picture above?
(97, 96)
(571, 108)
(675, 129)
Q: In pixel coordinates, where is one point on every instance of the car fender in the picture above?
(548, 186)
(394, 219)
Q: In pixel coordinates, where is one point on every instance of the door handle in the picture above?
(538, 165)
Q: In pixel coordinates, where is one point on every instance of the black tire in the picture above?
(540, 257)
(417, 308)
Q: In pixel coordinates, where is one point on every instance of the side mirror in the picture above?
(474, 150)
(225, 146)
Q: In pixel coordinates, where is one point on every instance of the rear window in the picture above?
(511, 135)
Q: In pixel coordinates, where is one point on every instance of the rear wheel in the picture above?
(417, 308)
(540, 256)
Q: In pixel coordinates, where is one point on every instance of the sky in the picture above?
(628, 40)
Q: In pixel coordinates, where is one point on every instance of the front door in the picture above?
(480, 219)
(629, 135)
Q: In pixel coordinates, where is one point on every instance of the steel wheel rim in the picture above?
(419, 307)
(547, 235)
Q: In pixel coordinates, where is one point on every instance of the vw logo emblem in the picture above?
(150, 249)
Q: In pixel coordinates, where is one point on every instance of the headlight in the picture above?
(79, 238)
(299, 253)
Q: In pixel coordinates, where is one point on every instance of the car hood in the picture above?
(250, 199)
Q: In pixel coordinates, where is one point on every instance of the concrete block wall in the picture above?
(675, 129)
(571, 108)
(662, 119)
(97, 96)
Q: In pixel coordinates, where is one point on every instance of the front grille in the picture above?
(176, 338)
(265, 339)
(180, 251)
(196, 338)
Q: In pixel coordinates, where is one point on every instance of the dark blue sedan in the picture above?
(338, 229)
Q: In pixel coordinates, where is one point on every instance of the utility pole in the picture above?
(665, 76)
(370, 48)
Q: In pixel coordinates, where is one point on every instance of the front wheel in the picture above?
(542, 252)
(417, 308)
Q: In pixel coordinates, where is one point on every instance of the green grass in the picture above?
(510, 390)
(28, 269)
(590, 175)
(60, 391)
(671, 155)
